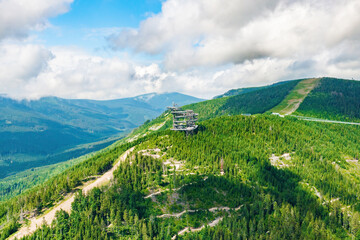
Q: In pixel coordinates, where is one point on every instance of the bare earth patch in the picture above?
(352, 161)
(155, 153)
(156, 127)
(174, 163)
(280, 161)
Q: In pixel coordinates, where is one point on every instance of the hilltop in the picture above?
(327, 98)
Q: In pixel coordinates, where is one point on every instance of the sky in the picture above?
(108, 49)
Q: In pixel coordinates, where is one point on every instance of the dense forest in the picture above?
(333, 99)
(259, 100)
(234, 92)
(221, 174)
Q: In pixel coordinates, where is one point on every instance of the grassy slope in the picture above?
(335, 99)
(296, 96)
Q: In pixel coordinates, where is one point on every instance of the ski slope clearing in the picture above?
(292, 102)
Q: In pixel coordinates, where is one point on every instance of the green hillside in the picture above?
(333, 98)
(258, 101)
(234, 92)
(297, 95)
(243, 177)
(309, 188)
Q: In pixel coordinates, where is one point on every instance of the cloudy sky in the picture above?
(105, 49)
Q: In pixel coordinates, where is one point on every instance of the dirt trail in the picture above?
(35, 223)
(185, 230)
(210, 224)
(177, 215)
(214, 209)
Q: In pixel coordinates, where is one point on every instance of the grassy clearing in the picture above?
(296, 96)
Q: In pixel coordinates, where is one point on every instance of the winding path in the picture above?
(185, 230)
(35, 223)
(210, 224)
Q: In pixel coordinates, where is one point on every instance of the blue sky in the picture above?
(106, 49)
(89, 22)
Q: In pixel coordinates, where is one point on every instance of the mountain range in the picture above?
(40, 132)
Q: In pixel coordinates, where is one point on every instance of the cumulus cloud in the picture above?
(32, 71)
(18, 17)
(210, 33)
(207, 47)
(21, 63)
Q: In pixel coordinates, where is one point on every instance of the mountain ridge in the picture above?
(37, 129)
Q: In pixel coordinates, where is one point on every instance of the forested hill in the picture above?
(234, 92)
(257, 101)
(244, 177)
(250, 177)
(333, 98)
(326, 98)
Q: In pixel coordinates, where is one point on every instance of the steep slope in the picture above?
(51, 130)
(258, 101)
(263, 170)
(234, 92)
(296, 97)
(336, 99)
(66, 205)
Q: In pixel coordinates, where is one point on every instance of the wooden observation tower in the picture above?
(183, 120)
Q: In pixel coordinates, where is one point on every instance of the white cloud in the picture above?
(32, 71)
(210, 33)
(209, 47)
(19, 64)
(18, 17)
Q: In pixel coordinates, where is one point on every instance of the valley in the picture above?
(48, 131)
